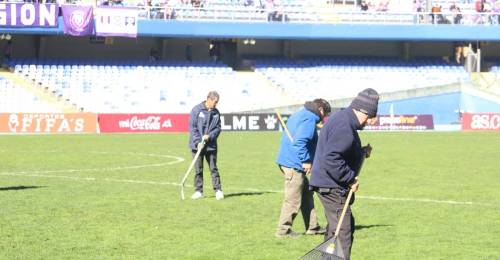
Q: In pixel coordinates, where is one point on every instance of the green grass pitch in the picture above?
(422, 196)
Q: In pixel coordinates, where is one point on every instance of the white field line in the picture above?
(45, 174)
(26, 174)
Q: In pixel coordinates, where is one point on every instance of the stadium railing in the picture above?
(315, 15)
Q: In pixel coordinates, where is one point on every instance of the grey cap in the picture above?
(366, 102)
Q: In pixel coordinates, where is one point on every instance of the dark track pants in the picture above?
(333, 203)
(211, 158)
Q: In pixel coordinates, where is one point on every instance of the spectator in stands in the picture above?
(479, 7)
(196, 3)
(435, 11)
(295, 159)
(205, 126)
(383, 6)
(456, 14)
(151, 10)
(495, 5)
(269, 7)
(169, 12)
(364, 6)
(338, 160)
(117, 2)
(248, 3)
(417, 7)
(280, 16)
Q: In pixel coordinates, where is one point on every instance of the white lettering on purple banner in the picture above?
(28, 15)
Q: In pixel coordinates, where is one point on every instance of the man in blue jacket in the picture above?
(338, 160)
(205, 125)
(294, 159)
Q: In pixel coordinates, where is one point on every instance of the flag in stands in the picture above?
(116, 21)
(78, 20)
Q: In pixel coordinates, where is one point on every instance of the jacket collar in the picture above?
(354, 122)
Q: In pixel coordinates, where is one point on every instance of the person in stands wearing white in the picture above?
(205, 126)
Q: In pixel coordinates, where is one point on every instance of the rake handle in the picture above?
(284, 126)
(349, 196)
(195, 158)
(344, 210)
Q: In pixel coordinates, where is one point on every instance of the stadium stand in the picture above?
(17, 99)
(336, 78)
(141, 86)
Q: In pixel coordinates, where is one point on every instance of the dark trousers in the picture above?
(211, 158)
(333, 203)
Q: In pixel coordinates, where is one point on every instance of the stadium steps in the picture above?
(40, 92)
(487, 82)
(272, 96)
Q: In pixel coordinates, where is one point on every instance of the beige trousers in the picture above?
(297, 197)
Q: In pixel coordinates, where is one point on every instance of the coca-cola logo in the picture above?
(485, 122)
(148, 123)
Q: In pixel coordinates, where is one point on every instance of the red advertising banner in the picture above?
(481, 121)
(143, 123)
(402, 122)
(48, 123)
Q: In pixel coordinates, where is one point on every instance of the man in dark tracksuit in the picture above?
(338, 160)
(205, 126)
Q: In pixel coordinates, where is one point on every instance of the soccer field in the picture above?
(422, 196)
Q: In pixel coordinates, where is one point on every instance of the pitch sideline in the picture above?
(25, 174)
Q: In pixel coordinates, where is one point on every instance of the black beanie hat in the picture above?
(366, 102)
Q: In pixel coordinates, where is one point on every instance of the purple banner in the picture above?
(28, 15)
(402, 122)
(78, 20)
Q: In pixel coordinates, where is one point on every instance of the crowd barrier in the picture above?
(481, 121)
(402, 123)
(90, 123)
(48, 123)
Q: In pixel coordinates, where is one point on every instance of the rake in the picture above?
(331, 249)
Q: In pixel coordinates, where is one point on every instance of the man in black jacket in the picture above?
(205, 125)
(338, 160)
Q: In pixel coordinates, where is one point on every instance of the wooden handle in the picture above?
(191, 167)
(284, 126)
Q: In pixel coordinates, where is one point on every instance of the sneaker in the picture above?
(318, 231)
(219, 195)
(289, 233)
(197, 195)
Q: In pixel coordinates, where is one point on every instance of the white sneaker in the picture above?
(197, 195)
(219, 195)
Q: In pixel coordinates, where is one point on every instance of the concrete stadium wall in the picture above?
(56, 46)
(175, 48)
(82, 47)
(445, 107)
(346, 48)
(23, 46)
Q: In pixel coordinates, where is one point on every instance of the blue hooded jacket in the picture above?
(302, 127)
(204, 122)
